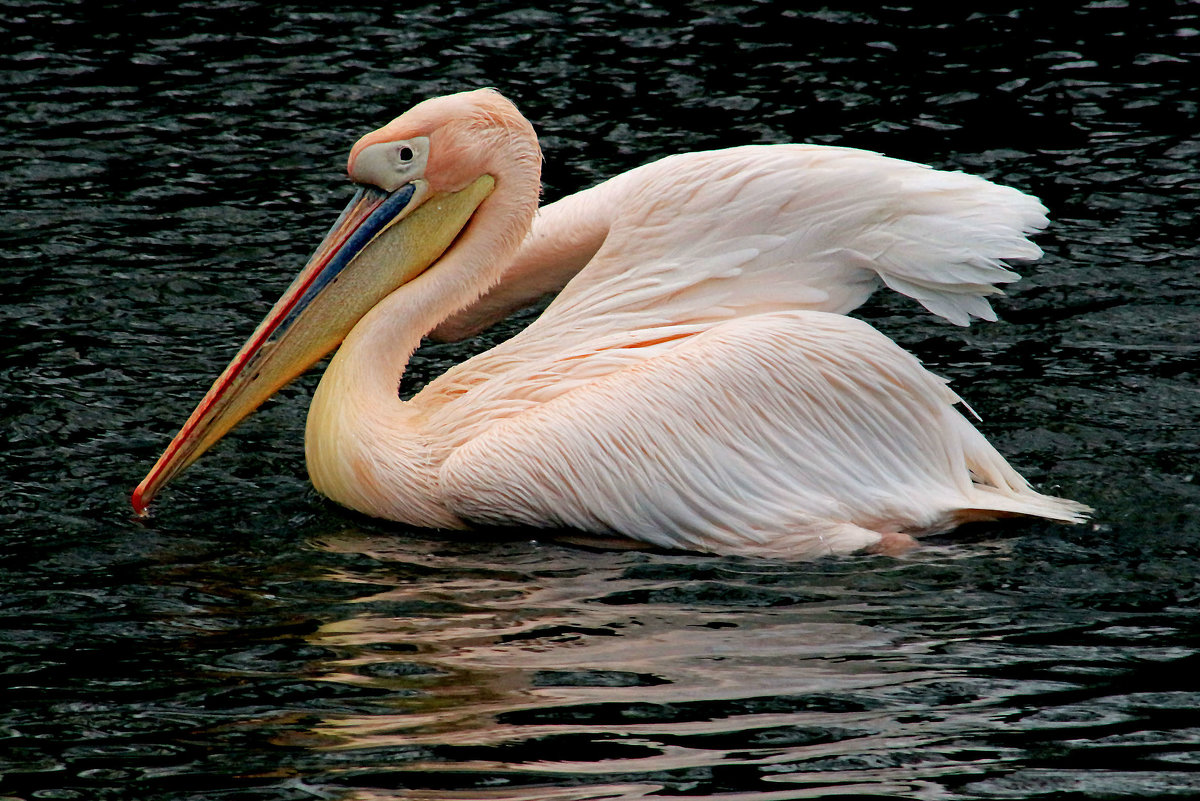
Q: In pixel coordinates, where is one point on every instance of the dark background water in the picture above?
(166, 171)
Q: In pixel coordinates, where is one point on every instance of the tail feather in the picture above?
(998, 490)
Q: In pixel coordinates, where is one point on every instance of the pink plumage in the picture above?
(695, 383)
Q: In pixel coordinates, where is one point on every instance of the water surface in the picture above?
(166, 172)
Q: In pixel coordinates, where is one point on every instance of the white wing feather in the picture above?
(788, 434)
(726, 233)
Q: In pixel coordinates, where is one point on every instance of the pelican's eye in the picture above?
(390, 165)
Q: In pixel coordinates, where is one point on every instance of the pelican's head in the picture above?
(420, 180)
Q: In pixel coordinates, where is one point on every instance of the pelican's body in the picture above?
(695, 383)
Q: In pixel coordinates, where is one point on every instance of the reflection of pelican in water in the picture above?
(481, 663)
(689, 387)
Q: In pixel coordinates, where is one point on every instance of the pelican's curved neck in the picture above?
(366, 448)
(377, 349)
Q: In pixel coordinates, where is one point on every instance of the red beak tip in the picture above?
(140, 507)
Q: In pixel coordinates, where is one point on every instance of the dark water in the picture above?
(165, 172)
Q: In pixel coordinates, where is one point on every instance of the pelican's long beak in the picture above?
(380, 242)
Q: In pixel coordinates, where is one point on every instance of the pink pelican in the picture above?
(694, 385)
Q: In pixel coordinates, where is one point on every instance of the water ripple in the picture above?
(166, 169)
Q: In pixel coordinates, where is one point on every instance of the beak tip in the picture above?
(141, 502)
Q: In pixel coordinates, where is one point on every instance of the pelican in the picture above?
(696, 383)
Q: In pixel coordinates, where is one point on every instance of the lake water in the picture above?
(165, 174)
